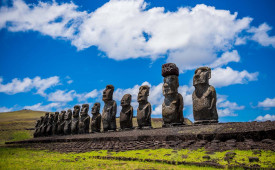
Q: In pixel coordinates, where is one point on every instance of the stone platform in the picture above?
(214, 137)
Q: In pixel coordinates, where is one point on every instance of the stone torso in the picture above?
(172, 109)
(126, 116)
(108, 111)
(144, 115)
(96, 123)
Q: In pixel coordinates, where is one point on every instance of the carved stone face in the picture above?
(61, 115)
(76, 111)
(84, 110)
(126, 100)
(108, 93)
(202, 76)
(143, 93)
(96, 108)
(170, 85)
(68, 114)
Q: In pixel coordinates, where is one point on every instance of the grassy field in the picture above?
(14, 125)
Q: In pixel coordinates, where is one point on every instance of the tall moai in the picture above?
(96, 118)
(44, 125)
(126, 114)
(204, 97)
(75, 120)
(144, 109)
(61, 122)
(84, 121)
(68, 122)
(109, 110)
(37, 127)
(49, 129)
(55, 123)
(172, 107)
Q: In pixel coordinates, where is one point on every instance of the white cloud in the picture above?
(48, 107)
(125, 29)
(267, 103)
(225, 77)
(5, 109)
(25, 85)
(226, 58)
(70, 81)
(62, 96)
(260, 35)
(266, 117)
(226, 108)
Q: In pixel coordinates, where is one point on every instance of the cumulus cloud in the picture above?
(227, 108)
(25, 85)
(48, 107)
(62, 96)
(266, 117)
(227, 76)
(126, 29)
(5, 109)
(260, 35)
(267, 103)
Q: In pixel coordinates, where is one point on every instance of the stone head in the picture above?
(108, 93)
(126, 100)
(68, 114)
(143, 93)
(61, 115)
(202, 76)
(76, 111)
(96, 108)
(47, 114)
(170, 72)
(52, 116)
(84, 109)
(56, 116)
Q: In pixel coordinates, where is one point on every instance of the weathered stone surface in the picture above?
(68, 122)
(144, 109)
(44, 125)
(75, 120)
(204, 97)
(55, 123)
(109, 110)
(50, 125)
(96, 118)
(61, 122)
(126, 114)
(172, 107)
(37, 127)
(84, 122)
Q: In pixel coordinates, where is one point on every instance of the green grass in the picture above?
(19, 158)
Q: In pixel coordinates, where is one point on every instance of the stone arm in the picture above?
(86, 118)
(149, 107)
(131, 112)
(114, 109)
(181, 106)
(214, 97)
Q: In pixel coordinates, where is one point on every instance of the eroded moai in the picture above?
(68, 122)
(55, 123)
(204, 97)
(49, 129)
(61, 122)
(109, 110)
(84, 121)
(144, 108)
(37, 127)
(96, 118)
(75, 120)
(44, 124)
(172, 107)
(126, 114)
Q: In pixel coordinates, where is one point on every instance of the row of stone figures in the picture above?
(204, 107)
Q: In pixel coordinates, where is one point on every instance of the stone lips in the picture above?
(169, 69)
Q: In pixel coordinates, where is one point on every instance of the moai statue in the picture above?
(204, 97)
(84, 121)
(96, 118)
(75, 120)
(68, 122)
(37, 126)
(39, 131)
(144, 109)
(172, 107)
(44, 126)
(126, 114)
(50, 125)
(109, 110)
(55, 123)
(61, 122)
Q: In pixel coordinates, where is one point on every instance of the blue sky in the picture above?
(54, 55)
